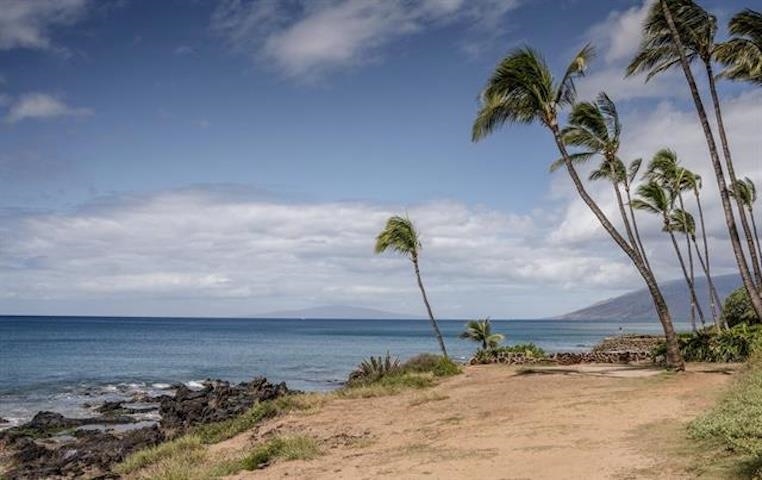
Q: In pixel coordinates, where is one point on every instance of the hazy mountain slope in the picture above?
(637, 305)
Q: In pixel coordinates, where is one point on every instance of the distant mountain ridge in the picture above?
(338, 312)
(637, 305)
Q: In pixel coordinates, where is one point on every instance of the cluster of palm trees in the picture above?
(676, 33)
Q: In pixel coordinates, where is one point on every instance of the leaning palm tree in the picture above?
(746, 191)
(522, 90)
(481, 331)
(654, 198)
(742, 54)
(595, 128)
(682, 221)
(677, 32)
(665, 170)
(400, 236)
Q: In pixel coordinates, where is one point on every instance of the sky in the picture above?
(237, 157)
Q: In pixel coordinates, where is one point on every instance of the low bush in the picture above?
(293, 447)
(373, 368)
(737, 309)
(736, 421)
(529, 351)
(429, 363)
(388, 371)
(731, 345)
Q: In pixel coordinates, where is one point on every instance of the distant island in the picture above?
(340, 312)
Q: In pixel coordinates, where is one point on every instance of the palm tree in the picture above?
(676, 32)
(742, 54)
(654, 198)
(682, 221)
(664, 169)
(746, 191)
(596, 129)
(523, 90)
(400, 236)
(481, 331)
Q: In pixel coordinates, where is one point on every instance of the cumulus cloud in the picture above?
(226, 250)
(27, 23)
(41, 106)
(308, 38)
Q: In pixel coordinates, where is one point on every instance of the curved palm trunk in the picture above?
(695, 307)
(434, 324)
(712, 291)
(735, 241)
(635, 225)
(626, 220)
(688, 280)
(713, 297)
(674, 358)
(733, 179)
(756, 235)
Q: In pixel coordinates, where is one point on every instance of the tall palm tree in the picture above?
(522, 89)
(742, 54)
(746, 191)
(682, 221)
(481, 331)
(400, 236)
(654, 198)
(595, 128)
(677, 32)
(665, 170)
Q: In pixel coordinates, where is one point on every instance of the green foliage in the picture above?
(217, 432)
(737, 419)
(738, 309)
(429, 363)
(373, 369)
(186, 445)
(481, 331)
(529, 351)
(399, 235)
(292, 447)
(732, 345)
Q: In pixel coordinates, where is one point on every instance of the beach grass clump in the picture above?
(736, 421)
(735, 344)
(438, 365)
(186, 447)
(219, 431)
(528, 351)
(285, 447)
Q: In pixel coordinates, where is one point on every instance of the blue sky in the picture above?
(179, 157)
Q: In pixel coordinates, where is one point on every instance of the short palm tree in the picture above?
(595, 128)
(654, 198)
(400, 236)
(675, 33)
(746, 191)
(742, 54)
(481, 331)
(522, 89)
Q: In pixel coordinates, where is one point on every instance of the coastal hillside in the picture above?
(637, 305)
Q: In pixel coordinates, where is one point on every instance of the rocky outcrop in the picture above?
(217, 401)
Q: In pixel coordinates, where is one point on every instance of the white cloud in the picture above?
(227, 251)
(308, 38)
(41, 106)
(27, 23)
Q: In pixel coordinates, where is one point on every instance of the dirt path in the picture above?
(491, 422)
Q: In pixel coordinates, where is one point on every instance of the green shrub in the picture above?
(373, 368)
(738, 309)
(293, 447)
(530, 351)
(731, 345)
(737, 419)
(429, 363)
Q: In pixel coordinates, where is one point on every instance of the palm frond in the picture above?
(576, 158)
(400, 236)
(566, 93)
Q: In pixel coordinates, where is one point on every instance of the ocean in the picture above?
(61, 363)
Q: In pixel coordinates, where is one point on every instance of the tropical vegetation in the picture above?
(480, 331)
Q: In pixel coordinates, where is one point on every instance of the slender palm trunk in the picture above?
(623, 212)
(437, 333)
(713, 297)
(732, 174)
(695, 307)
(712, 291)
(635, 225)
(691, 289)
(674, 358)
(756, 235)
(735, 241)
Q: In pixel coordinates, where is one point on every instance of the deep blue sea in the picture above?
(59, 363)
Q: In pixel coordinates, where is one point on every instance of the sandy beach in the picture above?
(591, 422)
